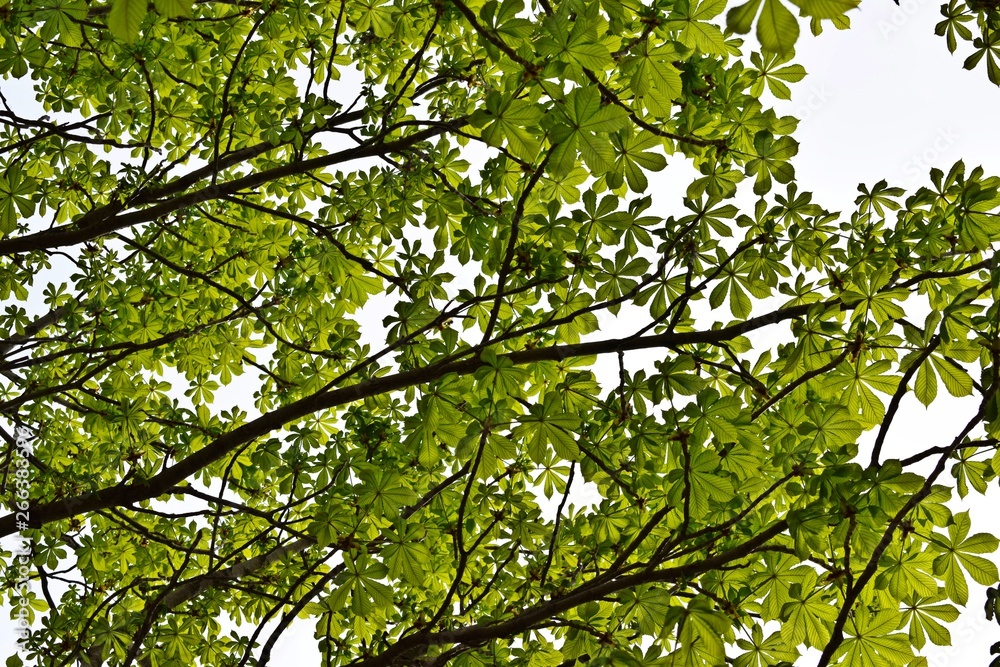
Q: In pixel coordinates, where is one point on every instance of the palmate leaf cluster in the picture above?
(325, 313)
(978, 22)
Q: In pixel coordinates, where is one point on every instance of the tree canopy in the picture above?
(420, 241)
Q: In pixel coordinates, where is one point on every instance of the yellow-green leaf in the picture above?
(925, 386)
(173, 8)
(956, 379)
(125, 18)
(826, 9)
(777, 29)
(740, 19)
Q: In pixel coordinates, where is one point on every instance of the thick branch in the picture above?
(109, 218)
(161, 483)
(40, 323)
(897, 397)
(851, 597)
(193, 587)
(479, 633)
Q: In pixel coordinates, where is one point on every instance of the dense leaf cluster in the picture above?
(416, 243)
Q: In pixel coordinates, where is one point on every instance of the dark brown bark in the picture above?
(160, 484)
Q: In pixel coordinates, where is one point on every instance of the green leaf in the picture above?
(697, 32)
(740, 19)
(394, 299)
(374, 15)
(586, 122)
(772, 160)
(808, 618)
(510, 119)
(907, 572)
(15, 198)
(125, 18)
(925, 386)
(655, 80)
(634, 158)
(500, 374)
(762, 652)
(774, 76)
(871, 640)
(777, 28)
(923, 616)
(576, 42)
(174, 8)
(959, 552)
(956, 380)
(406, 556)
(548, 425)
(826, 9)
(383, 492)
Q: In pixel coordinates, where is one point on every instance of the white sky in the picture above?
(886, 99)
(882, 100)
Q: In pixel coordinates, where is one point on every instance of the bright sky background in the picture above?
(882, 100)
(886, 99)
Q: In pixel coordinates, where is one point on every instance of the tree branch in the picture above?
(124, 494)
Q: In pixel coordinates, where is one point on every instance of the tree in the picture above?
(225, 197)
